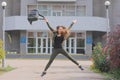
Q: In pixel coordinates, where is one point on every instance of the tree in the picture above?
(113, 47)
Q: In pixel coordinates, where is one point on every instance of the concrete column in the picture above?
(89, 8)
(88, 50)
(24, 4)
(23, 42)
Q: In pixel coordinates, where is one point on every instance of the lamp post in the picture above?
(107, 4)
(4, 4)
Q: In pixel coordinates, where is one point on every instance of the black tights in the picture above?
(55, 53)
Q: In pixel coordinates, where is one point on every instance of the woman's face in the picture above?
(60, 30)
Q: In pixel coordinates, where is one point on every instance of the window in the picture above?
(42, 34)
(31, 42)
(69, 10)
(57, 10)
(31, 34)
(57, 7)
(80, 10)
(80, 42)
(31, 7)
(43, 9)
(72, 34)
(57, 13)
(31, 45)
(39, 42)
(81, 35)
(60, 9)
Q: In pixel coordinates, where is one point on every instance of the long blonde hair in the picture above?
(66, 31)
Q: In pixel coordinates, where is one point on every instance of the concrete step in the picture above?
(47, 56)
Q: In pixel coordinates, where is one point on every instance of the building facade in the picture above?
(23, 38)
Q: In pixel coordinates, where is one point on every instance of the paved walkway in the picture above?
(60, 70)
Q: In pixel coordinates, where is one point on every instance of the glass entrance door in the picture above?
(41, 43)
(71, 45)
(44, 45)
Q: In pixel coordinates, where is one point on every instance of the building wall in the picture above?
(23, 42)
(1, 22)
(99, 8)
(114, 11)
(16, 7)
(115, 14)
(88, 49)
(95, 8)
(24, 4)
(12, 9)
(98, 37)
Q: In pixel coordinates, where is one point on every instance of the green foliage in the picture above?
(115, 73)
(107, 59)
(100, 59)
(113, 47)
(2, 52)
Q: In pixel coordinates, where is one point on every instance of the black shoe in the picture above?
(43, 73)
(81, 67)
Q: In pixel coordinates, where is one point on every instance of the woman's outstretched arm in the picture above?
(73, 22)
(46, 20)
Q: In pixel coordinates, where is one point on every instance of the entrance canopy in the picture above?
(83, 23)
(56, 0)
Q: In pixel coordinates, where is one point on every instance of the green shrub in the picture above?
(100, 59)
(115, 73)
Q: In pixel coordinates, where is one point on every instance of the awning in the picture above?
(83, 23)
(56, 0)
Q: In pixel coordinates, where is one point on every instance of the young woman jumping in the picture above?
(59, 35)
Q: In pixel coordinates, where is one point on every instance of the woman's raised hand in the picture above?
(74, 21)
(46, 20)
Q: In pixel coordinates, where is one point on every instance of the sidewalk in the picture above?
(59, 70)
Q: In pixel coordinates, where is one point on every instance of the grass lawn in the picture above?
(6, 69)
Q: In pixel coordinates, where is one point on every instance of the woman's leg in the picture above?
(53, 55)
(65, 53)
